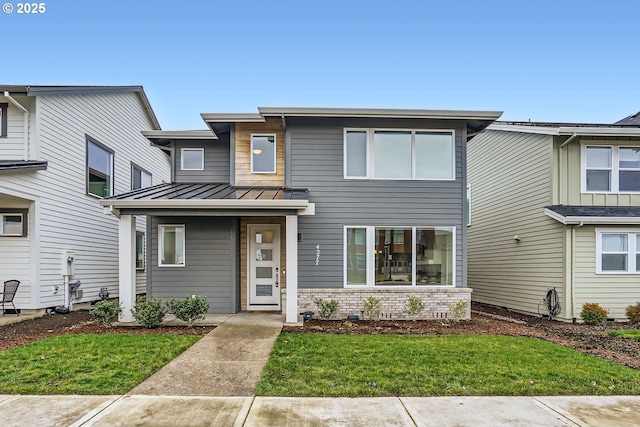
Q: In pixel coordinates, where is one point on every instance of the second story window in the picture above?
(611, 169)
(192, 159)
(140, 178)
(399, 154)
(3, 118)
(263, 153)
(99, 169)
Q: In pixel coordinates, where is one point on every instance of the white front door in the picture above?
(264, 267)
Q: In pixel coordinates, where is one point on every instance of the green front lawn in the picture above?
(87, 364)
(441, 365)
(627, 333)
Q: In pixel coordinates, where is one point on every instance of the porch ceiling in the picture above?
(209, 196)
(8, 166)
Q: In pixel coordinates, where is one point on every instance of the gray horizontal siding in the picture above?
(317, 164)
(217, 167)
(211, 256)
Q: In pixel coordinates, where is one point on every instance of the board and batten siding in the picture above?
(612, 291)
(571, 174)
(69, 218)
(12, 147)
(317, 164)
(216, 161)
(510, 175)
(211, 270)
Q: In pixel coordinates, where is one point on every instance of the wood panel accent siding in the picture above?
(244, 176)
(510, 176)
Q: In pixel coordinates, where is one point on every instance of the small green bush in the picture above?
(106, 312)
(633, 313)
(326, 308)
(189, 309)
(593, 314)
(149, 312)
(373, 307)
(459, 309)
(414, 306)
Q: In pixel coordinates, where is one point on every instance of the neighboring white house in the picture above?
(62, 149)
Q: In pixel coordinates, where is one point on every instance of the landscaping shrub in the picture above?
(372, 307)
(593, 314)
(189, 309)
(326, 308)
(106, 312)
(633, 313)
(148, 312)
(458, 309)
(414, 306)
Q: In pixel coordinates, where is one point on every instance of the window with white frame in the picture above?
(99, 169)
(399, 154)
(611, 169)
(192, 159)
(263, 153)
(617, 251)
(171, 246)
(12, 224)
(140, 250)
(3, 119)
(399, 256)
(140, 178)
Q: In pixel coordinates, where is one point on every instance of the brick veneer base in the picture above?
(437, 301)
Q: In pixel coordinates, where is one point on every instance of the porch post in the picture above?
(127, 276)
(292, 269)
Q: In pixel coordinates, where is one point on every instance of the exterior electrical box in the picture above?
(68, 263)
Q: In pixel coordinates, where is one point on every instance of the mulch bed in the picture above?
(486, 320)
(79, 322)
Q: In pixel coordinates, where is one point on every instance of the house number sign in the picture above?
(318, 254)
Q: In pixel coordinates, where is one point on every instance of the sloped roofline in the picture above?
(567, 129)
(70, 90)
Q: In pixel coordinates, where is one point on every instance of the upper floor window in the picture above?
(611, 169)
(399, 154)
(617, 251)
(263, 153)
(192, 159)
(99, 169)
(140, 178)
(13, 224)
(3, 118)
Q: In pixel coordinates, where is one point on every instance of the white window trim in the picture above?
(631, 250)
(615, 168)
(22, 218)
(275, 153)
(182, 150)
(370, 248)
(370, 159)
(144, 250)
(161, 245)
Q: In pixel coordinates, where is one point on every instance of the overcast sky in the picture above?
(569, 61)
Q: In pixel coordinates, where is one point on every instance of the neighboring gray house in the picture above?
(269, 211)
(555, 206)
(62, 148)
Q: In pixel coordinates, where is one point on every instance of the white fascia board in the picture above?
(232, 117)
(602, 220)
(182, 134)
(206, 204)
(599, 131)
(380, 113)
(545, 130)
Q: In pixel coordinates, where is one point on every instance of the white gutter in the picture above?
(205, 204)
(571, 138)
(581, 220)
(26, 123)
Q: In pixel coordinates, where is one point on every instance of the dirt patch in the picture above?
(78, 322)
(487, 320)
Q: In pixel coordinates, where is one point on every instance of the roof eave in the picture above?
(592, 220)
(205, 204)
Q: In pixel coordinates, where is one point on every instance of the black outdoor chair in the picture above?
(10, 289)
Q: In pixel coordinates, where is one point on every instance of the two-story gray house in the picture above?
(269, 211)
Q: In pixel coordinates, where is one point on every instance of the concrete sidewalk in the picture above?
(197, 411)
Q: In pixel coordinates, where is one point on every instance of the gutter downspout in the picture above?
(573, 270)
(26, 123)
(569, 140)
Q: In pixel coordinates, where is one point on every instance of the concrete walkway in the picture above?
(226, 362)
(197, 411)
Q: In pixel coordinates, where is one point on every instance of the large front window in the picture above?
(99, 169)
(617, 251)
(172, 246)
(399, 154)
(611, 169)
(399, 256)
